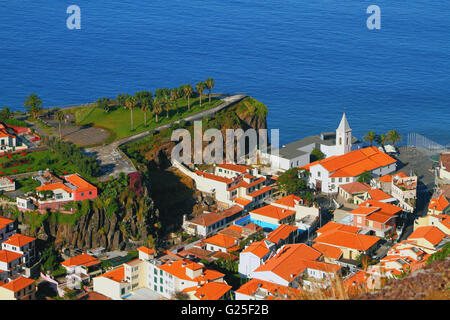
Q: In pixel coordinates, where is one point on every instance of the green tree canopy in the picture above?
(290, 183)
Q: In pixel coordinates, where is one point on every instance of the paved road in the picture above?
(113, 162)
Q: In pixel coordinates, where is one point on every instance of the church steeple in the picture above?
(344, 136)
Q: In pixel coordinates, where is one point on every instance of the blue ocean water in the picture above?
(307, 60)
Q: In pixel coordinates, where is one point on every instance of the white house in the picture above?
(254, 255)
(24, 245)
(6, 229)
(328, 174)
(297, 153)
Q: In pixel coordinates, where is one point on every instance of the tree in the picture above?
(394, 137)
(290, 183)
(200, 87)
(121, 99)
(381, 140)
(33, 104)
(316, 154)
(5, 114)
(145, 106)
(366, 176)
(174, 95)
(59, 116)
(188, 91)
(130, 103)
(157, 107)
(50, 259)
(370, 136)
(209, 84)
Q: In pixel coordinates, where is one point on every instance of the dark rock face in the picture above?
(95, 228)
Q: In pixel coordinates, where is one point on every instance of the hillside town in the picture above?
(329, 209)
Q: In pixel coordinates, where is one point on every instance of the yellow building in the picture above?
(18, 289)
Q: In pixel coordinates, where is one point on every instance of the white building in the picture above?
(6, 229)
(328, 174)
(297, 153)
(24, 245)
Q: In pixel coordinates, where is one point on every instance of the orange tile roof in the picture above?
(273, 212)
(281, 233)
(289, 200)
(439, 204)
(292, 260)
(178, 270)
(260, 191)
(354, 163)
(274, 289)
(225, 256)
(80, 183)
(431, 233)
(358, 279)
(80, 260)
(117, 275)
(349, 240)
(4, 222)
(18, 284)
(332, 226)
(385, 178)
(364, 211)
(207, 219)
(242, 201)
(400, 175)
(146, 250)
(384, 207)
(212, 291)
(378, 195)
(380, 217)
(355, 187)
(54, 186)
(213, 177)
(258, 248)
(221, 240)
(328, 251)
(234, 167)
(19, 240)
(8, 256)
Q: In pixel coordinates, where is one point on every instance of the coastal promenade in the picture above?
(113, 161)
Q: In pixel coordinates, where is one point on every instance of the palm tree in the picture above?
(59, 116)
(370, 136)
(121, 99)
(33, 104)
(200, 87)
(145, 106)
(394, 137)
(166, 104)
(174, 95)
(130, 103)
(188, 91)
(209, 84)
(381, 140)
(157, 107)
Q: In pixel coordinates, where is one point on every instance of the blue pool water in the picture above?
(307, 60)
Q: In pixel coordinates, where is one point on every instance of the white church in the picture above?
(297, 153)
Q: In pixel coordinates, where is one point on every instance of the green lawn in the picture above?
(40, 160)
(118, 121)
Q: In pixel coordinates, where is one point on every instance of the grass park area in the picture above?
(118, 119)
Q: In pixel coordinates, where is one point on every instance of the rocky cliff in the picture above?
(131, 222)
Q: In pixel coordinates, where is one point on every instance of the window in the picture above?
(318, 173)
(82, 194)
(155, 279)
(160, 272)
(161, 288)
(161, 280)
(122, 291)
(155, 271)
(340, 179)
